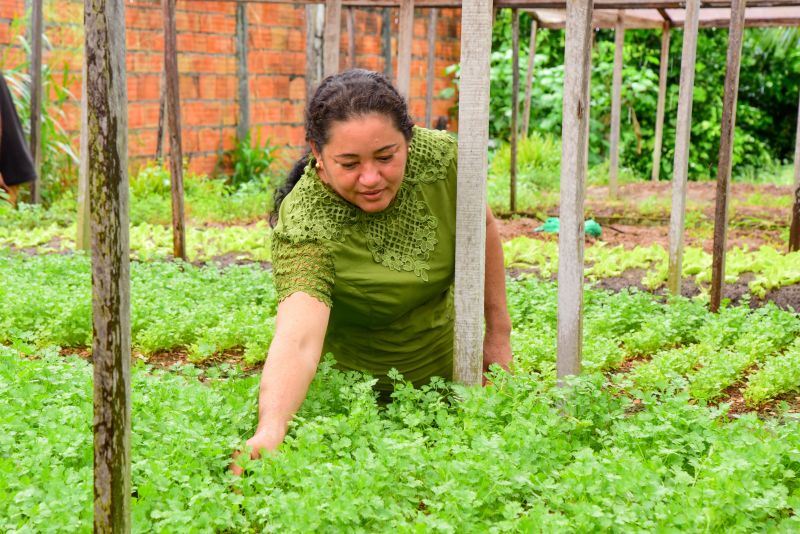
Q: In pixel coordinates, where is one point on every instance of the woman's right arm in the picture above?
(292, 360)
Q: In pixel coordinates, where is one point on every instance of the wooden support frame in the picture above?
(351, 37)
(37, 24)
(431, 74)
(663, 70)
(162, 111)
(242, 79)
(333, 37)
(174, 124)
(386, 38)
(526, 115)
(794, 229)
(512, 201)
(107, 101)
(574, 160)
(315, 29)
(725, 161)
(473, 117)
(83, 237)
(616, 105)
(405, 39)
(682, 138)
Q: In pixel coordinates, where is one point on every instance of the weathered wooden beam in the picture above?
(431, 74)
(83, 238)
(315, 28)
(162, 111)
(107, 165)
(794, 229)
(663, 69)
(37, 29)
(351, 37)
(512, 202)
(333, 31)
(386, 38)
(682, 137)
(526, 115)
(537, 4)
(405, 39)
(616, 105)
(574, 156)
(242, 79)
(174, 125)
(473, 120)
(725, 161)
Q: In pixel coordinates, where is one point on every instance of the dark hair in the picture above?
(349, 94)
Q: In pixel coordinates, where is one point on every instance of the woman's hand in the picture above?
(262, 441)
(496, 349)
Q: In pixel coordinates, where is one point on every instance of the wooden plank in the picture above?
(351, 37)
(174, 125)
(616, 105)
(405, 39)
(333, 30)
(162, 110)
(512, 203)
(386, 37)
(725, 161)
(682, 138)
(794, 229)
(83, 238)
(315, 28)
(662, 99)
(473, 120)
(107, 169)
(526, 115)
(36, 98)
(574, 157)
(537, 4)
(243, 126)
(432, 20)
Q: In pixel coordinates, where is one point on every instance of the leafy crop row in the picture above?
(517, 456)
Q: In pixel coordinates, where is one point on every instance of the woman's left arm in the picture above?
(497, 339)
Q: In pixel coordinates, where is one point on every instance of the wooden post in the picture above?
(315, 28)
(174, 125)
(574, 156)
(107, 98)
(526, 115)
(431, 67)
(386, 36)
(243, 127)
(404, 40)
(473, 121)
(794, 229)
(333, 30)
(682, 137)
(162, 105)
(351, 36)
(36, 99)
(512, 203)
(662, 99)
(726, 150)
(83, 239)
(616, 103)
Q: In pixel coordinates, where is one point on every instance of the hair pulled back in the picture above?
(341, 97)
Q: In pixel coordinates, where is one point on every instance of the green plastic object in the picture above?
(552, 226)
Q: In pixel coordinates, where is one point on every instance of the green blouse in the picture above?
(387, 276)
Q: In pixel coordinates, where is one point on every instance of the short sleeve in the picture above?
(302, 267)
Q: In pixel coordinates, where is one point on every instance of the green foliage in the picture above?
(778, 376)
(766, 112)
(519, 456)
(251, 161)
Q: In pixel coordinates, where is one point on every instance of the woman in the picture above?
(364, 252)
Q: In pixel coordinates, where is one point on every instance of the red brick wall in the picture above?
(207, 66)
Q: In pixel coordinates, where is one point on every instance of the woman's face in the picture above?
(364, 161)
